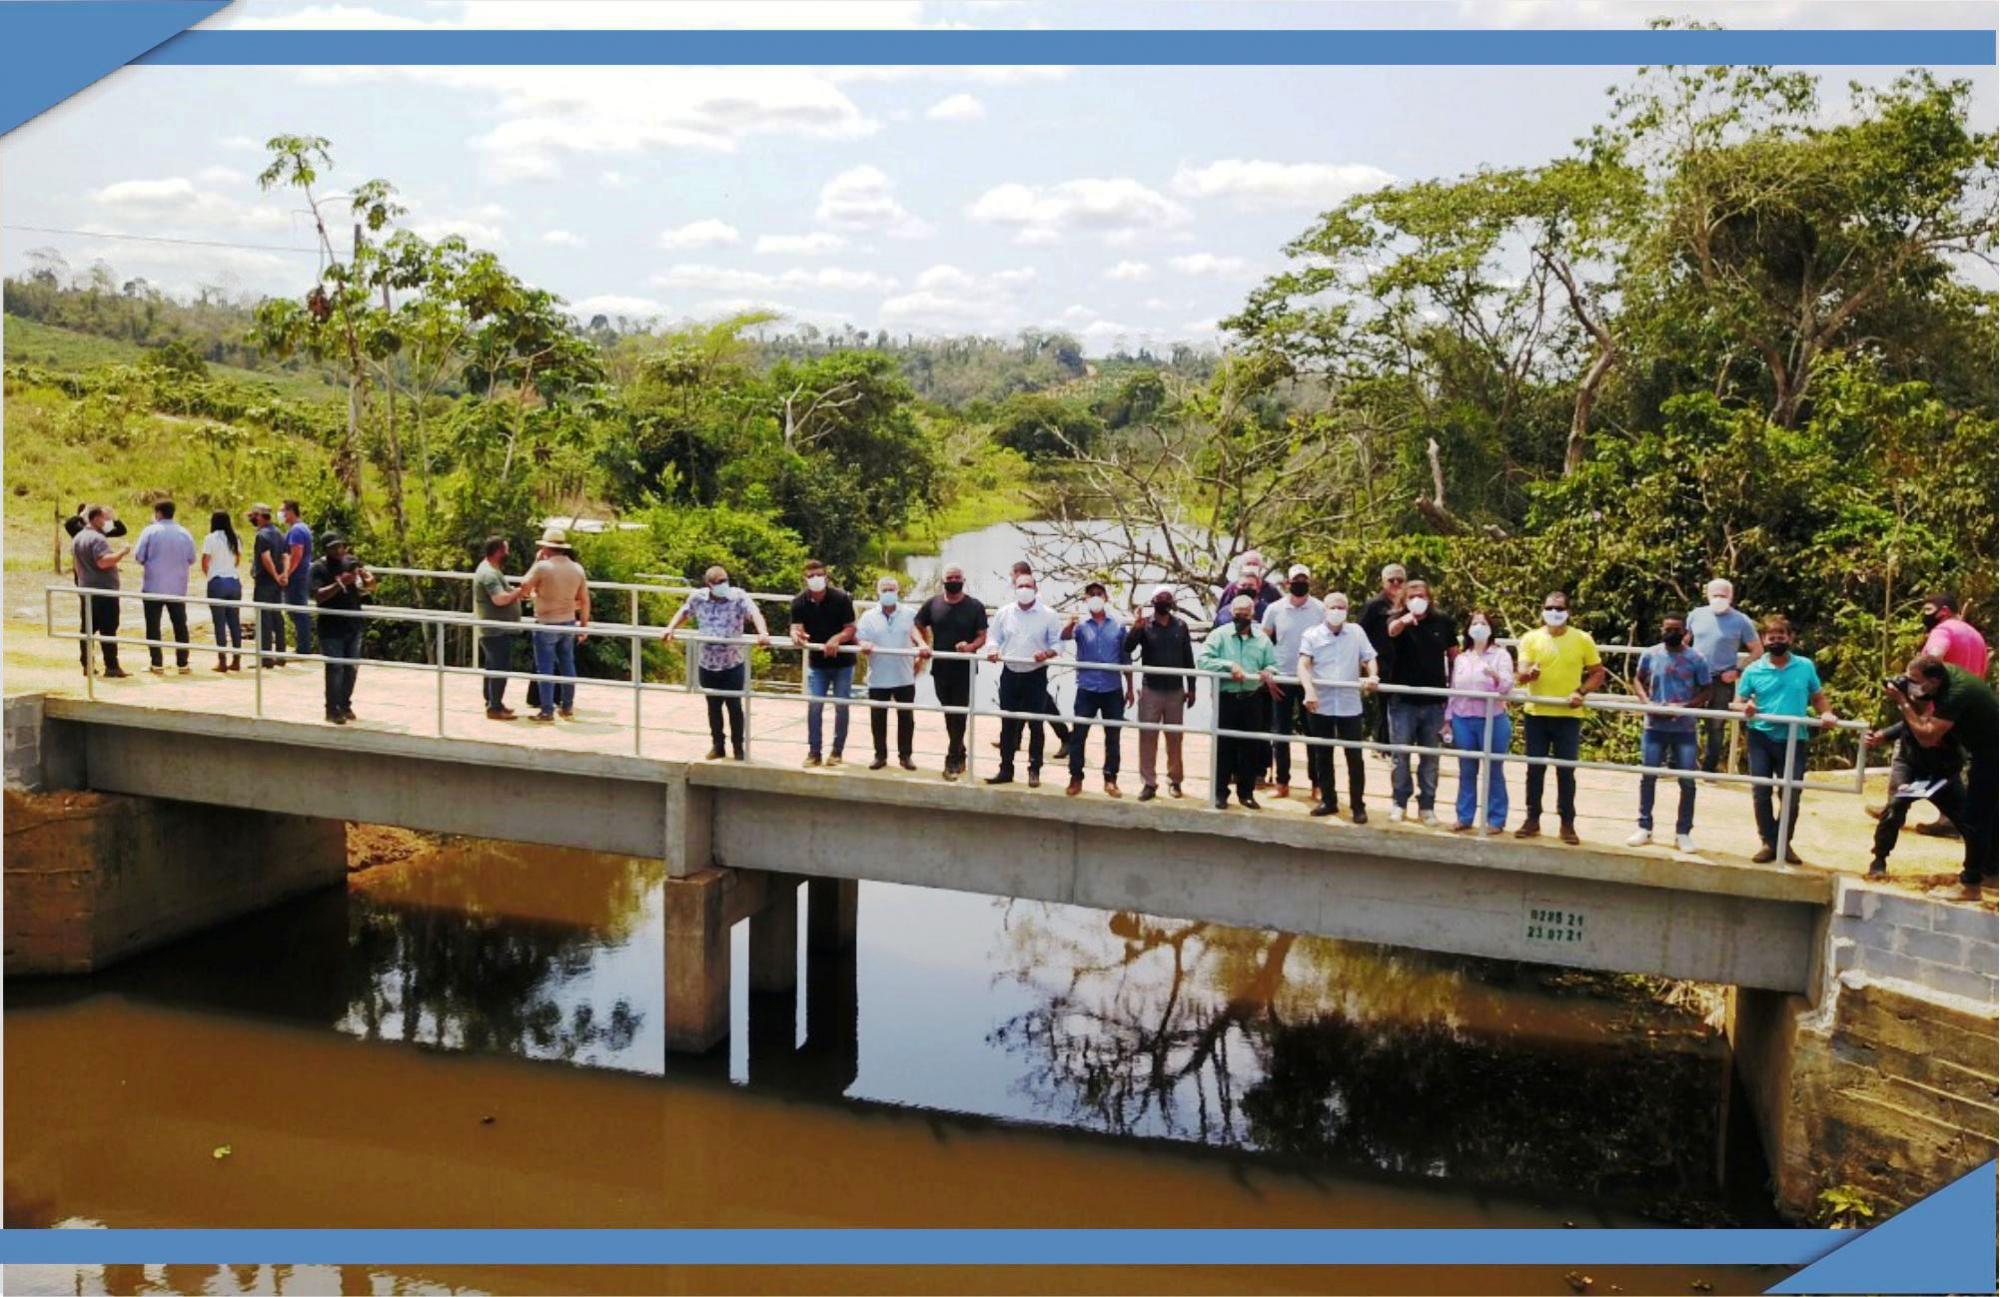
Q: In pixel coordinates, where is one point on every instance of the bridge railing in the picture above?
(439, 623)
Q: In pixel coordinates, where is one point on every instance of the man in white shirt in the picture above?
(1286, 621)
(890, 626)
(1025, 635)
(1336, 666)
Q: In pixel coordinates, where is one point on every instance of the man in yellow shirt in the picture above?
(1559, 664)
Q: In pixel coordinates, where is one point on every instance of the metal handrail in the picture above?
(636, 635)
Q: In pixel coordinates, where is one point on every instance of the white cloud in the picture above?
(859, 200)
(176, 202)
(705, 233)
(1155, 303)
(1207, 263)
(614, 180)
(564, 239)
(956, 108)
(1117, 208)
(799, 245)
(1278, 184)
(242, 144)
(1130, 272)
(726, 279)
(949, 299)
(476, 233)
(614, 304)
(223, 176)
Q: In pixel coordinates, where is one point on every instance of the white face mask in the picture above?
(1419, 605)
(1336, 617)
(1480, 632)
(815, 583)
(1554, 616)
(1095, 604)
(719, 591)
(888, 598)
(1718, 604)
(1024, 595)
(1251, 574)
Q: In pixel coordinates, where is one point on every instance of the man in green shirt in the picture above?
(1241, 650)
(1962, 711)
(496, 603)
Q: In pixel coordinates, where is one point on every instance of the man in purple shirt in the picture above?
(165, 551)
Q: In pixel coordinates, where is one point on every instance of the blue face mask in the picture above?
(720, 590)
(888, 598)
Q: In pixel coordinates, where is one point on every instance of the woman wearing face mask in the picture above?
(1483, 666)
(720, 610)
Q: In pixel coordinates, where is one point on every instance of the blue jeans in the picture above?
(1417, 723)
(1110, 704)
(1666, 750)
(555, 655)
(1767, 758)
(340, 643)
(825, 682)
(299, 595)
(1467, 733)
(226, 616)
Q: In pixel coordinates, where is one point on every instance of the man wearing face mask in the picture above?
(1719, 631)
(94, 567)
(1560, 667)
(887, 636)
(1961, 710)
(1375, 617)
(720, 610)
(1287, 622)
(1250, 580)
(1673, 674)
(1244, 653)
(1162, 641)
(823, 613)
(1098, 637)
(1025, 636)
(1423, 642)
(1023, 568)
(1782, 683)
(1336, 666)
(952, 622)
(1951, 639)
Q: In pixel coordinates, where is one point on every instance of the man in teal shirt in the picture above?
(1242, 700)
(1780, 683)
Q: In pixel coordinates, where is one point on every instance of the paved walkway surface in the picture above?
(1833, 832)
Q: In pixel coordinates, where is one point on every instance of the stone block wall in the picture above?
(1941, 946)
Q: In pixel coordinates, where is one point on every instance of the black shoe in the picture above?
(1061, 753)
(348, 712)
(1004, 777)
(1878, 868)
(1324, 808)
(1360, 815)
(1148, 793)
(1249, 803)
(1222, 803)
(714, 752)
(737, 754)
(906, 763)
(336, 718)
(1765, 854)
(878, 763)
(1034, 780)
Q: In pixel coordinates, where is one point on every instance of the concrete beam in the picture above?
(774, 938)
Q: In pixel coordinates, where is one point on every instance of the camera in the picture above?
(1901, 684)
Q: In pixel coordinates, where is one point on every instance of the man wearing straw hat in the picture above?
(561, 595)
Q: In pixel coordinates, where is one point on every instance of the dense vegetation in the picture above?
(1727, 333)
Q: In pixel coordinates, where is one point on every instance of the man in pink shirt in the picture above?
(1952, 638)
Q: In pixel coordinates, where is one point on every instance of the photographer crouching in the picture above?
(1947, 720)
(339, 583)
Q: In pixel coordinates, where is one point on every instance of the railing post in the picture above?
(747, 691)
(1791, 791)
(257, 658)
(638, 680)
(634, 608)
(1216, 792)
(89, 648)
(439, 669)
(971, 719)
(1484, 783)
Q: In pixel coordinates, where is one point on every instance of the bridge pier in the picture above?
(701, 909)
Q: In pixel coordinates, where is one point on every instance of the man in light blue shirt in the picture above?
(166, 551)
(1286, 621)
(892, 672)
(1780, 683)
(1025, 635)
(1099, 637)
(1719, 631)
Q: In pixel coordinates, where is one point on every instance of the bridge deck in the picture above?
(1832, 832)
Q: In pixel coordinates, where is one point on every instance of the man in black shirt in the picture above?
(1162, 640)
(1423, 642)
(953, 622)
(823, 613)
(270, 568)
(339, 583)
(1375, 617)
(1962, 711)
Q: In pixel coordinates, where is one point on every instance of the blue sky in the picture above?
(1127, 205)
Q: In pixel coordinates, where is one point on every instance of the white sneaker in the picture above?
(1429, 818)
(1639, 838)
(1398, 814)
(1684, 843)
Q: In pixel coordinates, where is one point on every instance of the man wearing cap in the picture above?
(1098, 637)
(1163, 642)
(1250, 580)
(1243, 653)
(1287, 622)
(556, 584)
(338, 583)
(270, 569)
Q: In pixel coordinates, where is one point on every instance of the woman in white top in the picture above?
(219, 555)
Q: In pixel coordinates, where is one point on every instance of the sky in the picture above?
(1128, 206)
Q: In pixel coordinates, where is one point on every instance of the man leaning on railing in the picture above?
(1783, 683)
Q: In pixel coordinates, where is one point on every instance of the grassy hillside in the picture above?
(30, 343)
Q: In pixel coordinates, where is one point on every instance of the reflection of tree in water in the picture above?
(487, 979)
(1360, 1058)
